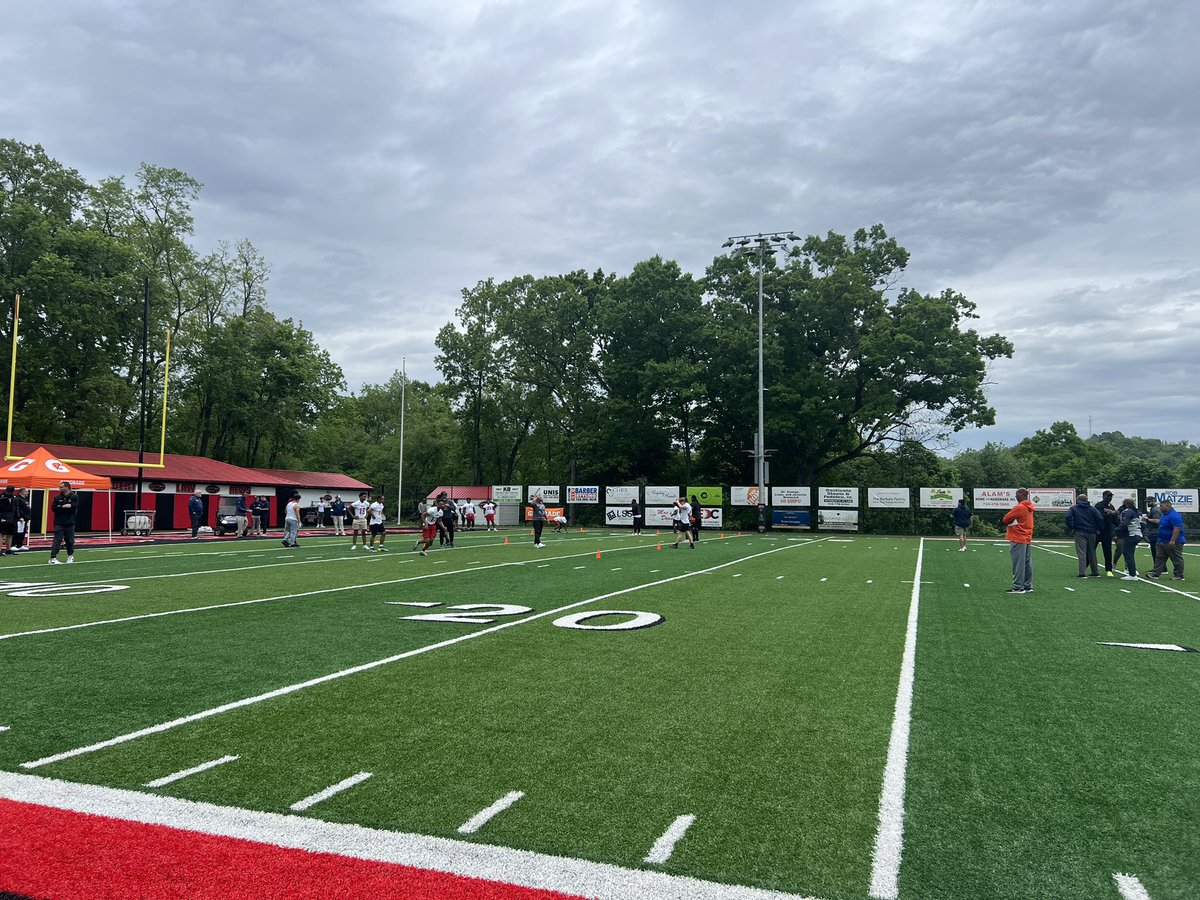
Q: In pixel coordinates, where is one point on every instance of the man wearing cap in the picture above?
(65, 506)
(1170, 542)
(1104, 537)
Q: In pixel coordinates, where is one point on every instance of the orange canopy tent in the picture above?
(41, 471)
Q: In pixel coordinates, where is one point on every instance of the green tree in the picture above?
(850, 370)
(1059, 457)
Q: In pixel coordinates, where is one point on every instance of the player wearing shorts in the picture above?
(375, 523)
(489, 514)
(359, 510)
(429, 528)
(560, 523)
(681, 522)
(469, 515)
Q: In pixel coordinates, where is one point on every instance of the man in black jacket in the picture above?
(1105, 536)
(65, 505)
(24, 515)
(8, 519)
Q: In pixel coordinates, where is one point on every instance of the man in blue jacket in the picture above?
(1171, 539)
(196, 512)
(962, 523)
(1086, 521)
(241, 513)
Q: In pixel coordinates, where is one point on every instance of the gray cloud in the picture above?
(1037, 157)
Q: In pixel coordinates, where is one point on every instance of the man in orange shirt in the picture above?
(1019, 520)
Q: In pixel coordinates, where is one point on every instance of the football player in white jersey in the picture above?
(681, 522)
(358, 513)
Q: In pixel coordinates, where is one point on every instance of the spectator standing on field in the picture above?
(1085, 521)
(291, 522)
(262, 512)
(24, 515)
(539, 519)
(1129, 532)
(241, 513)
(1150, 528)
(697, 515)
(338, 509)
(65, 507)
(489, 514)
(195, 512)
(8, 519)
(449, 512)
(1019, 521)
(635, 509)
(1171, 539)
(963, 519)
(1104, 538)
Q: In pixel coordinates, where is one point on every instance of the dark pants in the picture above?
(1130, 543)
(18, 539)
(1105, 543)
(1173, 552)
(1085, 552)
(63, 534)
(448, 533)
(1152, 540)
(196, 517)
(637, 524)
(538, 525)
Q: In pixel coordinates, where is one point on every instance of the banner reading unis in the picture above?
(551, 493)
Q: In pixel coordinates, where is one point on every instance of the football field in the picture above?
(831, 717)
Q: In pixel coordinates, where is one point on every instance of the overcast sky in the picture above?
(1039, 157)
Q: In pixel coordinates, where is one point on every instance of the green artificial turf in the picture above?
(1039, 765)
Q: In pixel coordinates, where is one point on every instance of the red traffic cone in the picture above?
(506, 540)
(659, 547)
(722, 535)
(581, 531)
(598, 554)
(739, 534)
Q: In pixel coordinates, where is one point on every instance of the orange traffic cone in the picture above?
(581, 531)
(598, 554)
(506, 540)
(659, 547)
(722, 535)
(739, 534)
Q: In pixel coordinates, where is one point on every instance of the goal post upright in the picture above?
(12, 400)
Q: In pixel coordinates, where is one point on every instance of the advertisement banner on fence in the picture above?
(838, 519)
(1052, 499)
(839, 496)
(707, 495)
(712, 517)
(743, 496)
(618, 515)
(791, 496)
(551, 512)
(1183, 499)
(888, 498)
(615, 496)
(940, 498)
(791, 518)
(1095, 495)
(659, 494)
(507, 493)
(659, 516)
(995, 498)
(551, 493)
(583, 493)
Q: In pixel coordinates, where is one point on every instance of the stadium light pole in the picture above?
(400, 477)
(748, 245)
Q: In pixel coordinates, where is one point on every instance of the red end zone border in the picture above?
(65, 840)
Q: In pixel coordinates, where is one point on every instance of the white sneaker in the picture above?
(353, 546)
(1130, 578)
(539, 545)
(55, 562)
(70, 559)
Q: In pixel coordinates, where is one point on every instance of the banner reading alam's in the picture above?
(940, 497)
(1044, 499)
(708, 496)
(507, 493)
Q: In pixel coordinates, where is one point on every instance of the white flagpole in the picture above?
(400, 478)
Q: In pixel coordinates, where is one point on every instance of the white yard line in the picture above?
(302, 562)
(4, 728)
(665, 845)
(334, 590)
(889, 839)
(184, 773)
(1130, 887)
(314, 799)
(364, 667)
(472, 860)
(482, 817)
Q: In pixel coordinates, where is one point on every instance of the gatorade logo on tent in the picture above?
(55, 466)
(22, 464)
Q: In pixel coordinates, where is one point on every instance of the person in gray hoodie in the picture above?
(1086, 522)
